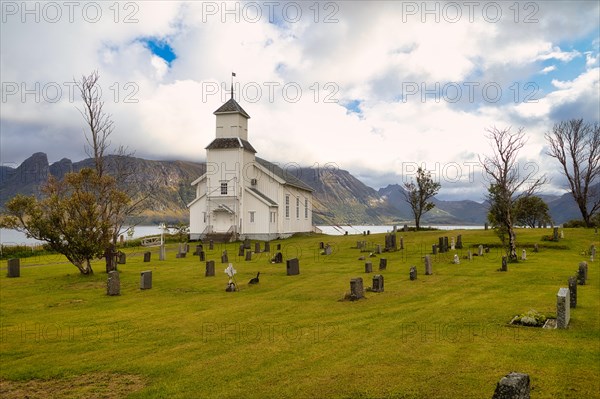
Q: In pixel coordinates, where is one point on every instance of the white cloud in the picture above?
(548, 69)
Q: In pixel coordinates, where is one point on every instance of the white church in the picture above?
(242, 196)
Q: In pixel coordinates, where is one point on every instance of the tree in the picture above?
(531, 211)
(576, 145)
(507, 184)
(71, 216)
(418, 195)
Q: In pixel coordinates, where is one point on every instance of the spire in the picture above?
(232, 76)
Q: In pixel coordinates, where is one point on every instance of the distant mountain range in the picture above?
(339, 197)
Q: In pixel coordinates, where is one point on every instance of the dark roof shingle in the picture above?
(231, 106)
(230, 142)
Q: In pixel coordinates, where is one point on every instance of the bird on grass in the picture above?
(255, 279)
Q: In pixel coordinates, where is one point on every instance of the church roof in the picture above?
(288, 177)
(231, 107)
(230, 142)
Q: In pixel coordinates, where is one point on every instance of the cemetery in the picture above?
(295, 317)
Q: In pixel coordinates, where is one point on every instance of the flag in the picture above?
(232, 73)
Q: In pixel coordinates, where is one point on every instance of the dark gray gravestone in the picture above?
(267, 246)
(555, 234)
(504, 264)
(110, 257)
(405, 228)
(248, 255)
(513, 386)
(146, 280)
(187, 248)
(321, 245)
(181, 255)
(278, 258)
(224, 257)
(246, 243)
(487, 250)
(378, 249)
(413, 273)
(14, 268)
(210, 269)
(202, 256)
(368, 267)
(147, 256)
(440, 245)
(292, 266)
(121, 258)
(328, 250)
(257, 247)
(563, 308)
(199, 248)
(446, 244)
(211, 245)
(434, 249)
(459, 243)
(582, 273)
(485, 226)
(279, 247)
(113, 284)
(356, 288)
(382, 263)
(241, 250)
(428, 271)
(377, 283)
(573, 291)
(401, 242)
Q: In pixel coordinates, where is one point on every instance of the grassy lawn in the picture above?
(441, 336)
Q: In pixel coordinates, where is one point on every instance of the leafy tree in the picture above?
(507, 185)
(531, 211)
(576, 145)
(72, 216)
(418, 194)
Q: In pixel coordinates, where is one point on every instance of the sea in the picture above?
(12, 237)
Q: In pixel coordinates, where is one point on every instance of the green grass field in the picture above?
(442, 336)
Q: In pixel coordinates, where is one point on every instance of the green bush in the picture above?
(532, 318)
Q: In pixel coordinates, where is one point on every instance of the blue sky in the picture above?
(371, 87)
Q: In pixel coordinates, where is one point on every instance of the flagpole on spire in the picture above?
(232, 76)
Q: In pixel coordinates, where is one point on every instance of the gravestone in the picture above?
(246, 243)
(535, 248)
(390, 242)
(459, 244)
(187, 247)
(368, 267)
(14, 268)
(224, 257)
(524, 255)
(210, 269)
(485, 226)
(562, 234)
(413, 273)
(211, 245)
(292, 266)
(278, 258)
(356, 289)
(146, 280)
(434, 249)
(446, 247)
(147, 256)
(110, 258)
(162, 253)
(267, 246)
(401, 242)
(241, 251)
(199, 248)
(359, 244)
(378, 249)
(469, 255)
(555, 234)
(377, 283)
(181, 255)
(405, 228)
(592, 253)
(487, 250)
(456, 260)
(582, 273)
(428, 271)
(382, 263)
(279, 247)
(121, 258)
(573, 291)
(563, 309)
(321, 245)
(513, 386)
(327, 250)
(113, 283)
(504, 264)
(452, 245)
(441, 244)
(248, 255)
(202, 256)
(257, 247)
(480, 250)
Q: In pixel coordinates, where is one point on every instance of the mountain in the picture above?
(338, 197)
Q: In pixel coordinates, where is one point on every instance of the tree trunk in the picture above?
(512, 244)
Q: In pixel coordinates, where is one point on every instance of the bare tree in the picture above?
(418, 195)
(507, 184)
(576, 145)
